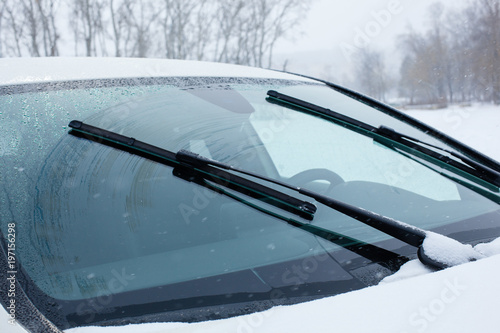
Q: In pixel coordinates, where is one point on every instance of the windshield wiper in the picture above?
(455, 163)
(195, 168)
(211, 170)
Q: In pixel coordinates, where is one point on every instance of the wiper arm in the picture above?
(459, 164)
(246, 186)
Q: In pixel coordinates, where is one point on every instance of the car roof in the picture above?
(49, 69)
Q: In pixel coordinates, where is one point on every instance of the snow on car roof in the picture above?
(29, 70)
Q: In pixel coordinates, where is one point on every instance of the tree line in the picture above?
(233, 31)
(457, 59)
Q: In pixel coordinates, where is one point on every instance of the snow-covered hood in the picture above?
(27, 70)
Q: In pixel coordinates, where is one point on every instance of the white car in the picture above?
(168, 194)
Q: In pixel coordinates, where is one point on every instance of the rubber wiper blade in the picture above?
(248, 187)
(386, 136)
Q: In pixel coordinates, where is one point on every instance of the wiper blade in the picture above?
(459, 164)
(246, 186)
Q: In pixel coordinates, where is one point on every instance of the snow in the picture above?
(489, 249)
(462, 298)
(410, 269)
(26, 70)
(448, 251)
(477, 125)
(6, 326)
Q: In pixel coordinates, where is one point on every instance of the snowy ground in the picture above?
(478, 125)
(464, 298)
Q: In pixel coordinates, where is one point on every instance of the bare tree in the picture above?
(485, 39)
(408, 84)
(458, 59)
(185, 27)
(273, 19)
(247, 30)
(262, 23)
(228, 19)
(120, 26)
(416, 70)
(427, 61)
(371, 74)
(87, 24)
(33, 29)
(44, 14)
(437, 52)
(14, 23)
(140, 16)
(3, 5)
(30, 27)
(204, 28)
(236, 31)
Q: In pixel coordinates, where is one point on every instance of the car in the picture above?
(150, 190)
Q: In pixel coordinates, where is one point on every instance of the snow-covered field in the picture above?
(464, 298)
(478, 125)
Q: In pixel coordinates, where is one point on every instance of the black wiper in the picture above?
(248, 187)
(459, 164)
(189, 165)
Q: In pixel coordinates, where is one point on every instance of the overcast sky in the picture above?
(333, 28)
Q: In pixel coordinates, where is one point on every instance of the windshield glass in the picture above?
(94, 221)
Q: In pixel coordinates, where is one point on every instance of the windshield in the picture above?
(95, 222)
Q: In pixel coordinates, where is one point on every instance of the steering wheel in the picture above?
(310, 175)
